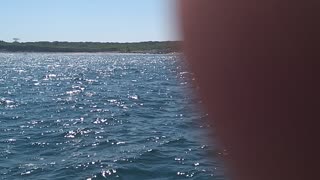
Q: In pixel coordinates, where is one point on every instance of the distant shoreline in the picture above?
(79, 53)
(151, 47)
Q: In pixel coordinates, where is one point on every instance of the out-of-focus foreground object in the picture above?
(257, 65)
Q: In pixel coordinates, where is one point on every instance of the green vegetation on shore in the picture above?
(45, 46)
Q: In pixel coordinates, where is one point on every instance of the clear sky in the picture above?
(88, 20)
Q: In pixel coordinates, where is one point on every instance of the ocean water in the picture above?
(102, 116)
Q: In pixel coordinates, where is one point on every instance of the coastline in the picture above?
(150, 47)
(84, 52)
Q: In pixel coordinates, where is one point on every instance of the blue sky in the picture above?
(88, 20)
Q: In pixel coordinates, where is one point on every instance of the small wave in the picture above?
(73, 92)
(134, 97)
(49, 77)
(76, 133)
(6, 101)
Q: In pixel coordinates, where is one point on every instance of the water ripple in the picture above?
(102, 116)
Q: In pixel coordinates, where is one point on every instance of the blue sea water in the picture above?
(102, 116)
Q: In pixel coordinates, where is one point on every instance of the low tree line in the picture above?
(45, 46)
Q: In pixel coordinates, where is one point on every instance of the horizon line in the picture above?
(94, 41)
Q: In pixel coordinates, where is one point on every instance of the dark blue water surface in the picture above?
(97, 116)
